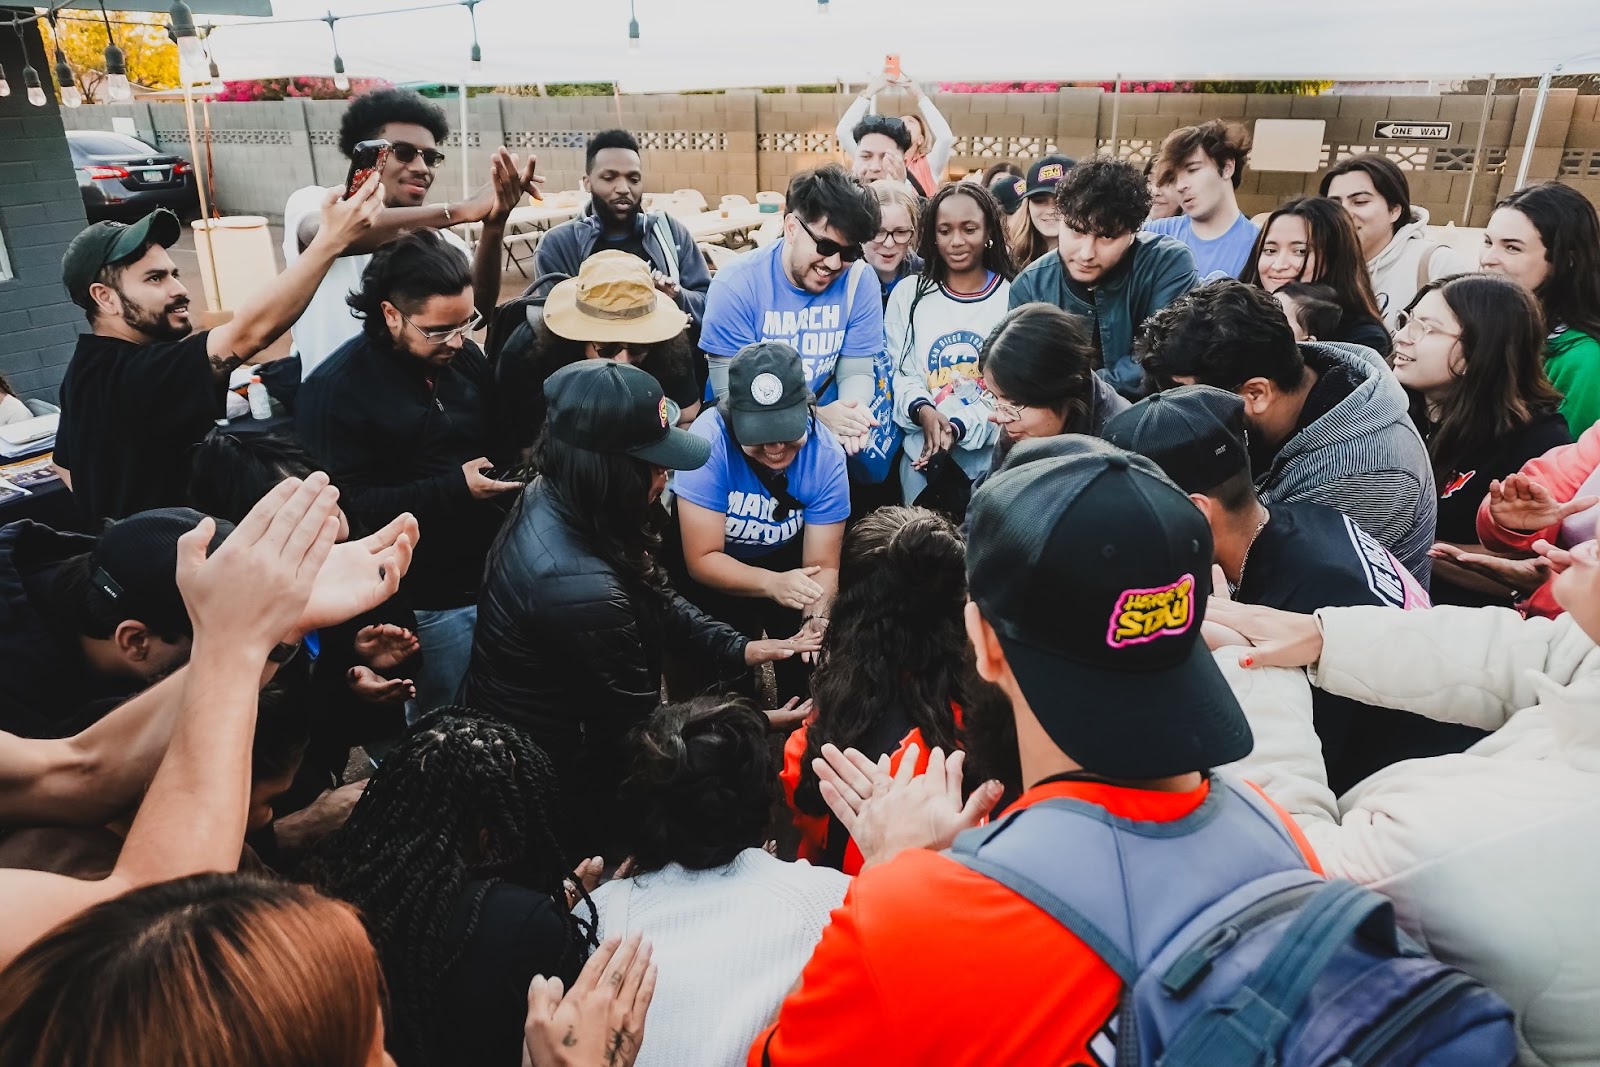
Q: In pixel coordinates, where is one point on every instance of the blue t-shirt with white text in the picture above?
(817, 478)
(1223, 257)
(751, 299)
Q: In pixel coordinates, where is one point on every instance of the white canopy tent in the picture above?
(712, 44)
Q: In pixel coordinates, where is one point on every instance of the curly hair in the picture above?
(1222, 334)
(1103, 196)
(896, 645)
(701, 783)
(373, 110)
(460, 799)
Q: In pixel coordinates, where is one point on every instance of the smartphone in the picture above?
(891, 65)
(509, 474)
(368, 159)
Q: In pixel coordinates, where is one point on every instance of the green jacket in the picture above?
(1155, 271)
(1572, 363)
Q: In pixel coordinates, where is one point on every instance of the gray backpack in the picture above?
(1231, 951)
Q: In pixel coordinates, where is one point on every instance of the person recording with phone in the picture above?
(399, 417)
(407, 163)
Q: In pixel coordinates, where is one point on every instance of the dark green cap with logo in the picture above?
(111, 242)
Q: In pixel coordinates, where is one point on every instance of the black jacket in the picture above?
(393, 442)
(570, 651)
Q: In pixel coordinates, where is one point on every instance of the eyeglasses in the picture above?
(827, 248)
(440, 337)
(432, 158)
(1405, 320)
(1006, 411)
(613, 349)
(899, 237)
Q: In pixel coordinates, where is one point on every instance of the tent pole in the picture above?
(1116, 112)
(205, 206)
(1533, 128)
(1477, 153)
(466, 176)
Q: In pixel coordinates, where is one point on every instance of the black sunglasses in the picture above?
(613, 349)
(826, 248)
(405, 153)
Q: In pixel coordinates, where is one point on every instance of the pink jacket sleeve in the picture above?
(1562, 471)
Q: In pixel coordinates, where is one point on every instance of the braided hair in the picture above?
(896, 645)
(460, 799)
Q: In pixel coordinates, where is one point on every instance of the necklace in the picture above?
(1233, 587)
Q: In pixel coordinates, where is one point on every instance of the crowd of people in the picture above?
(924, 639)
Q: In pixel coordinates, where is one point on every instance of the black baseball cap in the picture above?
(134, 564)
(1194, 433)
(1010, 191)
(1094, 571)
(606, 406)
(111, 242)
(769, 399)
(1046, 172)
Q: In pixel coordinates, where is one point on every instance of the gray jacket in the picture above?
(1364, 458)
(563, 250)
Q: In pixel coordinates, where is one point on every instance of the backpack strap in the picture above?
(1425, 264)
(662, 228)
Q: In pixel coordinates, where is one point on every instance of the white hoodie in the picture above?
(1492, 855)
(1394, 270)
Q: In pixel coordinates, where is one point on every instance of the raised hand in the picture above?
(1522, 504)
(385, 646)
(344, 222)
(885, 814)
(358, 575)
(249, 592)
(600, 1023)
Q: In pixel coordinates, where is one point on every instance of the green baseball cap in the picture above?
(111, 242)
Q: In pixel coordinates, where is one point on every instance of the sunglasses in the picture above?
(827, 248)
(405, 153)
(613, 349)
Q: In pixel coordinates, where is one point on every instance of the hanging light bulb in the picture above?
(633, 29)
(340, 81)
(5, 85)
(191, 53)
(217, 84)
(70, 96)
(30, 78)
(116, 63)
(475, 57)
(822, 7)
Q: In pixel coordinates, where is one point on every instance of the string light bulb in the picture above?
(191, 53)
(30, 78)
(475, 57)
(341, 81)
(117, 86)
(822, 7)
(5, 84)
(633, 28)
(70, 94)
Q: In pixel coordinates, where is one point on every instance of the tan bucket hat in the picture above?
(613, 299)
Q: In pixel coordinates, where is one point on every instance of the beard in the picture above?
(157, 324)
(618, 216)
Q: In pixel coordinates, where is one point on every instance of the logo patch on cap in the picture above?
(1051, 172)
(1021, 186)
(766, 389)
(1142, 615)
(661, 411)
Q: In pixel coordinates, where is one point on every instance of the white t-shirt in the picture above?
(328, 321)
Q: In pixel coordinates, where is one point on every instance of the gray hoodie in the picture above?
(1363, 457)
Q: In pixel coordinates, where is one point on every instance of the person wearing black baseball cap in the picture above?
(88, 622)
(1034, 231)
(1298, 556)
(763, 521)
(143, 386)
(1088, 574)
(575, 614)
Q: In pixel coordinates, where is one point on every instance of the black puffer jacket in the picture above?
(570, 652)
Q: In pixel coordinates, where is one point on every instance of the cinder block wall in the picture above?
(742, 142)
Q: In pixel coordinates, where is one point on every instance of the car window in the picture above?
(103, 143)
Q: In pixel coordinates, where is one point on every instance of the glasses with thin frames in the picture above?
(441, 337)
(432, 158)
(1404, 322)
(900, 237)
(827, 248)
(1009, 412)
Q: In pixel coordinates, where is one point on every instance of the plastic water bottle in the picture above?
(260, 401)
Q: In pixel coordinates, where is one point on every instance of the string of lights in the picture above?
(195, 62)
